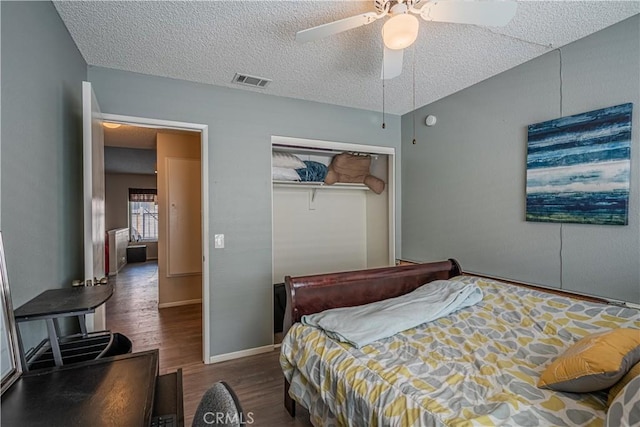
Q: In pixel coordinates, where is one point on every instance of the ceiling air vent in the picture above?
(254, 81)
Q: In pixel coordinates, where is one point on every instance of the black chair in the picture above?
(219, 407)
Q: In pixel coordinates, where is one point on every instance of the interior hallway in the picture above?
(133, 311)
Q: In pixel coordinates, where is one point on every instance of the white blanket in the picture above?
(364, 324)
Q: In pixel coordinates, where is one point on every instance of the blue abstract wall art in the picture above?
(578, 168)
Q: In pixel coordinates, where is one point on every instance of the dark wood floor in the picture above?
(177, 333)
(133, 311)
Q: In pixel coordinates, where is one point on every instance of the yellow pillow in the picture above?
(595, 362)
(617, 388)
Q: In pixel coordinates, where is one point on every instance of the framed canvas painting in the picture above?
(578, 168)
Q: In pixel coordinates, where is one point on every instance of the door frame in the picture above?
(317, 144)
(93, 202)
(204, 153)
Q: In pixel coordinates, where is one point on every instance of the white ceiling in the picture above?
(127, 136)
(138, 137)
(132, 149)
(210, 41)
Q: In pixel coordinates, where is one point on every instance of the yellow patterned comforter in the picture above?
(476, 367)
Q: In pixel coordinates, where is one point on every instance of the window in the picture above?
(143, 214)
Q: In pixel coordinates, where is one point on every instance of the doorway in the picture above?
(144, 271)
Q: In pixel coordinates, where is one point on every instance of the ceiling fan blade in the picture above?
(392, 65)
(325, 30)
(489, 13)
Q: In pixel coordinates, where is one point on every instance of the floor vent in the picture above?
(254, 81)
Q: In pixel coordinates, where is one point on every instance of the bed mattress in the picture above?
(476, 367)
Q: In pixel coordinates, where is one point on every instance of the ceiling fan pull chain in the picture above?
(383, 123)
(414, 94)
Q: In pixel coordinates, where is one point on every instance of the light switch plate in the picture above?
(218, 240)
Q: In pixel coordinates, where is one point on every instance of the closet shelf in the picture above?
(305, 151)
(316, 185)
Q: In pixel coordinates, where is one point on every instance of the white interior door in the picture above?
(93, 184)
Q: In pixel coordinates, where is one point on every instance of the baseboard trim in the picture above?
(242, 353)
(179, 303)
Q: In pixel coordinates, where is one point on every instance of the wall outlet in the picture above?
(218, 241)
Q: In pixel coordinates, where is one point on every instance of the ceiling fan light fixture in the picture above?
(111, 125)
(400, 31)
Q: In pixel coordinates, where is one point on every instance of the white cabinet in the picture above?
(118, 241)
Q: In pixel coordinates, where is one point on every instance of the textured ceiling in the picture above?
(210, 41)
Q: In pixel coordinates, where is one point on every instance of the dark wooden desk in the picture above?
(53, 304)
(115, 391)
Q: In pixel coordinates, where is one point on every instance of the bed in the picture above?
(477, 366)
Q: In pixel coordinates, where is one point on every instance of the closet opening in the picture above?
(329, 217)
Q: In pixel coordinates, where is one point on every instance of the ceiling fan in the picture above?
(401, 30)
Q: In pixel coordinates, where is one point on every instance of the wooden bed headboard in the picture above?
(313, 294)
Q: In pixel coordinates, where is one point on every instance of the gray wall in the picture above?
(116, 196)
(116, 201)
(241, 124)
(41, 168)
(129, 160)
(464, 181)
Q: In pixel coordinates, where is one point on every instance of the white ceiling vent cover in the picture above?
(247, 80)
